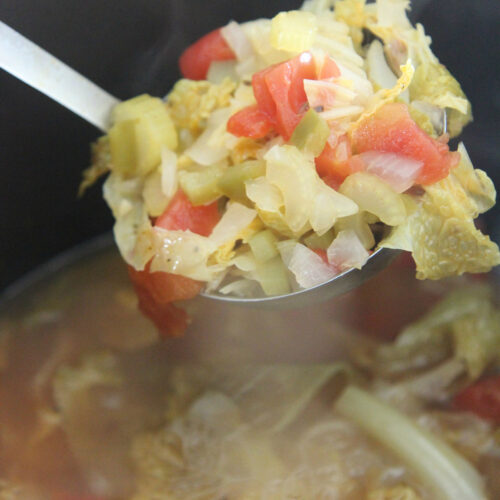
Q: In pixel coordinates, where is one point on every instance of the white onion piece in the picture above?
(168, 168)
(397, 170)
(236, 218)
(210, 147)
(309, 268)
(285, 248)
(237, 39)
(346, 251)
(327, 94)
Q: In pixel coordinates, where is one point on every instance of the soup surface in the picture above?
(249, 404)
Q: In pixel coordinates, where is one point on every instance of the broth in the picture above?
(93, 405)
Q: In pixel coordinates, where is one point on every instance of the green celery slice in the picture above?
(201, 184)
(263, 245)
(311, 133)
(273, 277)
(232, 183)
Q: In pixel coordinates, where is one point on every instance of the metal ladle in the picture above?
(36, 67)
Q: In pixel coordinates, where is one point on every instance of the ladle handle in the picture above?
(36, 67)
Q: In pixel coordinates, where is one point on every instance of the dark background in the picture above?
(130, 47)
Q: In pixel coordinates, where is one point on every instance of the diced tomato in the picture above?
(481, 398)
(334, 162)
(332, 181)
(196, 59)
(329, 69)
(156, 291)
(249, 122)
(285, 83)
(182, 215)
(392, 130)
(279, 92)
(265, 101)
(164, 287)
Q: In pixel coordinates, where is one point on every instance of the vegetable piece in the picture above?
(273, 277)
(316, 242)
(397, 170)
(311, 133)
(182, 215)
(295, 177)
(238, 41)
(279, 91)
(200, 184)
(375, 196)
(293, 31)
(249, 122)
(309, 268)
(232, 182)
(155, 292)
(334, 160)
(263, 245)
(358, 224)
(434, 84)
(141, 128)
(443, 216)
(481, 398)
(196, 59)
(347, 251)
(392, 130)
(435, 463)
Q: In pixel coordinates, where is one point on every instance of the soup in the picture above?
(249, 403)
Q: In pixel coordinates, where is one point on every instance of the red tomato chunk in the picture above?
(481, 398)
(392, 130)
(196, 59)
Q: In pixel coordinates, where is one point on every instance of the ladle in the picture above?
(36, 67)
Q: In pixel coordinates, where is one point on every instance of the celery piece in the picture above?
(311, 133)
(316, 242)
(232, 182)
(201, 184)
(142, 127)
(448, 474)
(263, 245)
(273, 277)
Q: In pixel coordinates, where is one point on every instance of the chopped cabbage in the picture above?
(465, 325)
(434, 84)
(191, 102)
(440, 232)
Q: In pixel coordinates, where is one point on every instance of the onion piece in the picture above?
(238, 41)
(210, 148)
(397, 170)
(347, 251)
(449, 475)
(168, 168)
(309, 268)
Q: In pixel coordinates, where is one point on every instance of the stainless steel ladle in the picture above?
(36, 67)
